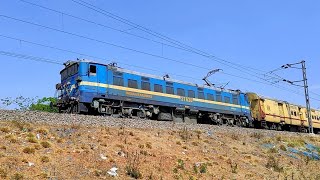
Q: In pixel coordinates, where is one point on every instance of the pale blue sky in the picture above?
(260, 34)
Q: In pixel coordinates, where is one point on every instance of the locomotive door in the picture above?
(102, 79)
(92, 72)
(98, 75)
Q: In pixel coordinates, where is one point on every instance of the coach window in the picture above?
(158, 88)
(227, 99)
(191, 94)
(117, 80)
(181, 92)
(169, 90)
(210, 97)
(145, 85)
(219, 97)
(92, 70)
(200, 95)
(295, 113)
(132, 83)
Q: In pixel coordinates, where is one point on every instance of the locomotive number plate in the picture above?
(186, 99)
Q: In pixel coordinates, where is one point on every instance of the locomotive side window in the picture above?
(158, 88)
(227, 99)
(191, 94)
(132, 83)
(145, 86)
(180, 92)
(200, 95)
(118, 81)
(219, 97)
(92, 70)
(169, 90)
(210, 97)
(235, 99)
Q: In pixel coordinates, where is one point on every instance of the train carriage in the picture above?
(280, 115)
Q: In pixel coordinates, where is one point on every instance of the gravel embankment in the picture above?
(107, 121)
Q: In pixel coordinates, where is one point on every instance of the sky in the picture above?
(246, 39)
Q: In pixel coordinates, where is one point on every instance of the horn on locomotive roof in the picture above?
(208, 75)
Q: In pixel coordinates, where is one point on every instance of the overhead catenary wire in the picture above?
(104, 42)
(170, 40)
(165, 38)
(88, 55)
(102, 25)
(33, 58)
(60, 63)
(107, 43)
(177, 47)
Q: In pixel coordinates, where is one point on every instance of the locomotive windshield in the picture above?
(69, 71)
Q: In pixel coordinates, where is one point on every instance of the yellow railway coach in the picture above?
(280, 115)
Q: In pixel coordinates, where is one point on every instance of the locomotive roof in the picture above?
(166, 79)
(174, 80)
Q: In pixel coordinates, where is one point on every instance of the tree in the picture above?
(44, 105)
(33, 104)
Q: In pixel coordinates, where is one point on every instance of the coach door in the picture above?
(281, 112)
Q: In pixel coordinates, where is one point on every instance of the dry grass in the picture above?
(5, 129)
(146, 154)
(29, 150)
(45, 144)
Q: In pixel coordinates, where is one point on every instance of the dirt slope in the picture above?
(41, 151)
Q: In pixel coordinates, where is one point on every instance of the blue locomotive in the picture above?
(92, 88)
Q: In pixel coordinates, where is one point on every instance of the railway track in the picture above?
(108, 121)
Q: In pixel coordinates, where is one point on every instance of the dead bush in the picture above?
(29, 150)
(257, 135)
(45, 144)
(133, 165)
(5, 129)
(274, 164)
(32, 140)
(45, 159)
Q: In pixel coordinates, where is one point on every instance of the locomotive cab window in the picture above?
(92, 70)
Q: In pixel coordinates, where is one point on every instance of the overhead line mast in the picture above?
(305, 86)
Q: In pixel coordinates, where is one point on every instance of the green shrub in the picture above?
(180, 164)
(203, 168)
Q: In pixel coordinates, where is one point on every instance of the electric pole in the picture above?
(306, 92)
(305, 86)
